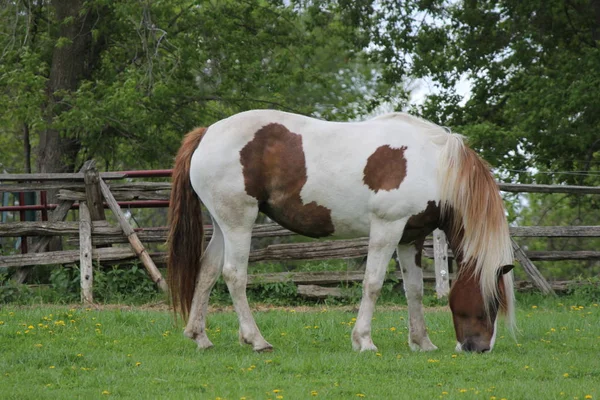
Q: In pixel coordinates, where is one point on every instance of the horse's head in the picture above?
(474, 318)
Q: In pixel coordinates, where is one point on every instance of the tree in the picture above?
(123, 81)
(535, 84)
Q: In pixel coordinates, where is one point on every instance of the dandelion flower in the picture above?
(314, 393)
(566, 375)
(137, 364)
(105, 392)
(360, 395)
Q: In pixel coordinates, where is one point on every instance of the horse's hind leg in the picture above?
(212, 264)
(409, 257)
(235, 273)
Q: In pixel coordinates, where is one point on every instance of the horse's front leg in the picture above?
(409, 257)
(383, 238)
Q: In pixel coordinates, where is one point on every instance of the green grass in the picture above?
(69, 353)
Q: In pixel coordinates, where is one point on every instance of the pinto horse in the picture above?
(394, 178)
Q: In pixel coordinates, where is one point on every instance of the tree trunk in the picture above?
(74, 57)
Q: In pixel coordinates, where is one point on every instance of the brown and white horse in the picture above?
(394, 178)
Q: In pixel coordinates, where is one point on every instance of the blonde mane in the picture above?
(468, 188)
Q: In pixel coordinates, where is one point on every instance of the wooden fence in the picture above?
(91, 191)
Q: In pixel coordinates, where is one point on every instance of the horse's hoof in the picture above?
(264, 349)
(425, 345)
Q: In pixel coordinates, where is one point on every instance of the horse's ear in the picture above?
(505, 269)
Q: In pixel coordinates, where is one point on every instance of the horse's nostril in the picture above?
(485, 350)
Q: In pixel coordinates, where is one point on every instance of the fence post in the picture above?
(440, 255)
(85, 254)
(134, 241)
(93, 194)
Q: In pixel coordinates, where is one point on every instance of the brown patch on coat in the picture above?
(274, 170)
(419, 226)
(385, 169)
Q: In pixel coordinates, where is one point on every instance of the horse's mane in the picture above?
(469, 196)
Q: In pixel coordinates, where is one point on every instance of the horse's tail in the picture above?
(470, 198)
(186, 234)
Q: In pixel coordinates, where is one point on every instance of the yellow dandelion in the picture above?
(105, 392)
(360, 395)
(462, 390)
(588, 396)
(38, 345)
(30, 327)
(431, 360)
(566, 375)
(279, 397)
(268, 361)
(276, 391)
(283, 333)
(534, 307)
(243, 398)
(444, 393)
(454, 356)
(527, 367)
(314, 393)
(137, 364)
(98, 324)
(52, 367)
(79, 355)
(1, 322)
(378, 354)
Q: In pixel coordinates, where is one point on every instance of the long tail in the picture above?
(186, 234)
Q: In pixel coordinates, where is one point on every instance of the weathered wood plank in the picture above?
(85, 254)
(134, 241)
(37, 186)
(555, 231)
(322, 250)
(321, 292)
(580, 255)
(57, 215)
(531, 188)
(533, 273)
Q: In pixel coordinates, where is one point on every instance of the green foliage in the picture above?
(14, 293)
(532, 70)
(155, 70)
(116, 285)
(587, 290)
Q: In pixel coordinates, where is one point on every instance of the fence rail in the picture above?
(102, 190)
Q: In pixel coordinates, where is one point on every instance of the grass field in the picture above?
(63, 352)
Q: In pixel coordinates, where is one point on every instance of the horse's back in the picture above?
(315, 177)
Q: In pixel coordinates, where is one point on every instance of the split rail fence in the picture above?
(91, 191)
